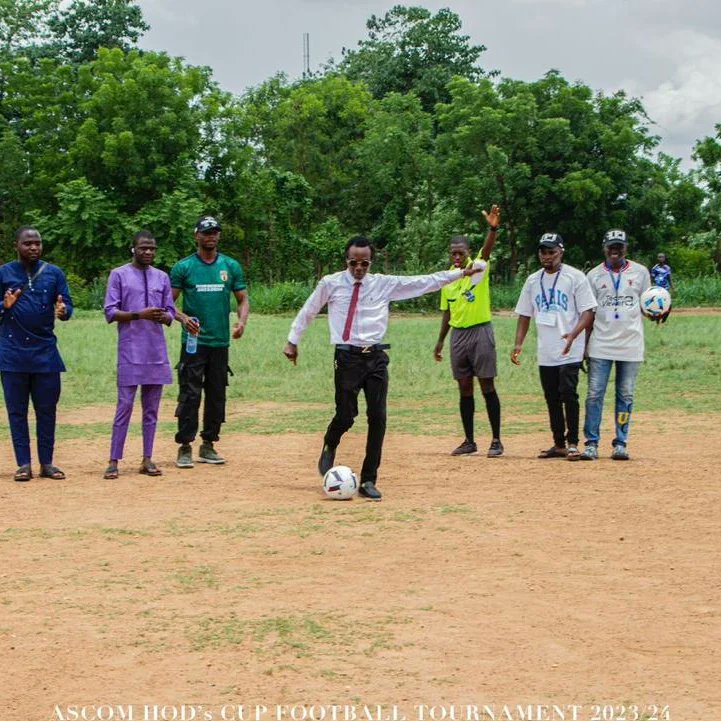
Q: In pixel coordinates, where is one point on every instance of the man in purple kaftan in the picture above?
(140, 301)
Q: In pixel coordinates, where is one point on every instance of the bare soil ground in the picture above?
(475, 580)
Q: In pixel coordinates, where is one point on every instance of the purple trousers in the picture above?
(150, 398)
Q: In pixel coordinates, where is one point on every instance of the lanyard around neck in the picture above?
(552, 294)
(616, 281)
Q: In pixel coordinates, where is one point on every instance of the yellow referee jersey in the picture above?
(468, 305)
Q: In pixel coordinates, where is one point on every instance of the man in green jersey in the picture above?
(206, 279)
(467, 309)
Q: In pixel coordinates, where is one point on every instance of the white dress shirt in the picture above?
(370, 320)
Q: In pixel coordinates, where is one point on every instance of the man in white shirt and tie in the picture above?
(358, 319)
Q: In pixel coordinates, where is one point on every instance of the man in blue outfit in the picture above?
(661, 273)
(34, 293)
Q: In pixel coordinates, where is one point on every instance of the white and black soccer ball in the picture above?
(655, 301)
(340, 483)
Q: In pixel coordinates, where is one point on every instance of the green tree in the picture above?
(555, 157)
(707, 152)
(80, 29)
(315, 132)
(22, 22)
(411, 49)
(394, 161)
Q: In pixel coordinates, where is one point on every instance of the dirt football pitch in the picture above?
(511, 582)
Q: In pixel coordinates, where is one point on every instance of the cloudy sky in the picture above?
(667, 52)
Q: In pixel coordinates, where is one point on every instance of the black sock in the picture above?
(493, 408)
(468, 408)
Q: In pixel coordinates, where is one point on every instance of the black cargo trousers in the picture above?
(205, 372)
(356, 371)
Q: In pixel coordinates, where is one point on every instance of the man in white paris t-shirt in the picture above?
(559, 298)
(616, 337)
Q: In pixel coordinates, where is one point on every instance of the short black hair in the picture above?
(461, 239)
(142, 235)
(360, 241)
(24, 229)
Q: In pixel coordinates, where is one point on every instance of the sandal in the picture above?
(24, 473)
(50, 471)
(150, 469)
(573, 454)
(111, 473)
(553, 452)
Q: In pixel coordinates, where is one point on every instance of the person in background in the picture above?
(206, 279)
(140, 301)
(35, 295)
(661, 273)
(560, 300)
(467, 310)
(616, 338)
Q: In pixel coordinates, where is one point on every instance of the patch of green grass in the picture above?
(301, 636)
(263, 635)
(454, 509)
(123, 532)
(196, 578)
(268, 395)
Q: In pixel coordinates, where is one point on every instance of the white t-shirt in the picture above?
(618, 328)
(556, 301)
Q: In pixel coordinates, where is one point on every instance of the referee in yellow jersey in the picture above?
(467, 309)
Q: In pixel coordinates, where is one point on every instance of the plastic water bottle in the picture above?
(191, 341)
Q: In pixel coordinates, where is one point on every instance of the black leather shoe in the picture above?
(368, 490)
(326, 460)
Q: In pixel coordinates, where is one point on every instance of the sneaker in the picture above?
(590, 453)
(208, 454)
(495, 449)
(466, 448)
(185, 456)
(368, 490)
(620, 453)
(326, 460)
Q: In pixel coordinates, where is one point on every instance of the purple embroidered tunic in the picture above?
(142, 352)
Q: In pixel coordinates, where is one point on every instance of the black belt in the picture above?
(362, 348)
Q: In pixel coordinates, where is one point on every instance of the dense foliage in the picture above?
(406, 138)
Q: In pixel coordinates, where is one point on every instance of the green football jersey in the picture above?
(207, 289)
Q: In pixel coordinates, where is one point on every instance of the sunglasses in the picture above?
(352, 262)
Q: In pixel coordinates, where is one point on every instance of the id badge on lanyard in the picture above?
(548, 317)
(617, 314)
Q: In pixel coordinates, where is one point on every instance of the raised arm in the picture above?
(494, 220)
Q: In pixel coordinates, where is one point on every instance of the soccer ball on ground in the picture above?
(655, 301)
(340, 483)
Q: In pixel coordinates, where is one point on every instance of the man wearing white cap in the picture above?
(616, 339)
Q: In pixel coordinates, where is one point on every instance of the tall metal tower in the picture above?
(306, 55)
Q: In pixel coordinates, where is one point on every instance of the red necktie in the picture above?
(351, 310)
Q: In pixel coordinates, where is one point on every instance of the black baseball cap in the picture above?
(551, 240)
(206, 223)
(615, 236)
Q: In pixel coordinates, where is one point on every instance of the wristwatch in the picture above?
(135, 316)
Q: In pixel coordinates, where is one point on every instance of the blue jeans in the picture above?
(599, 370)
